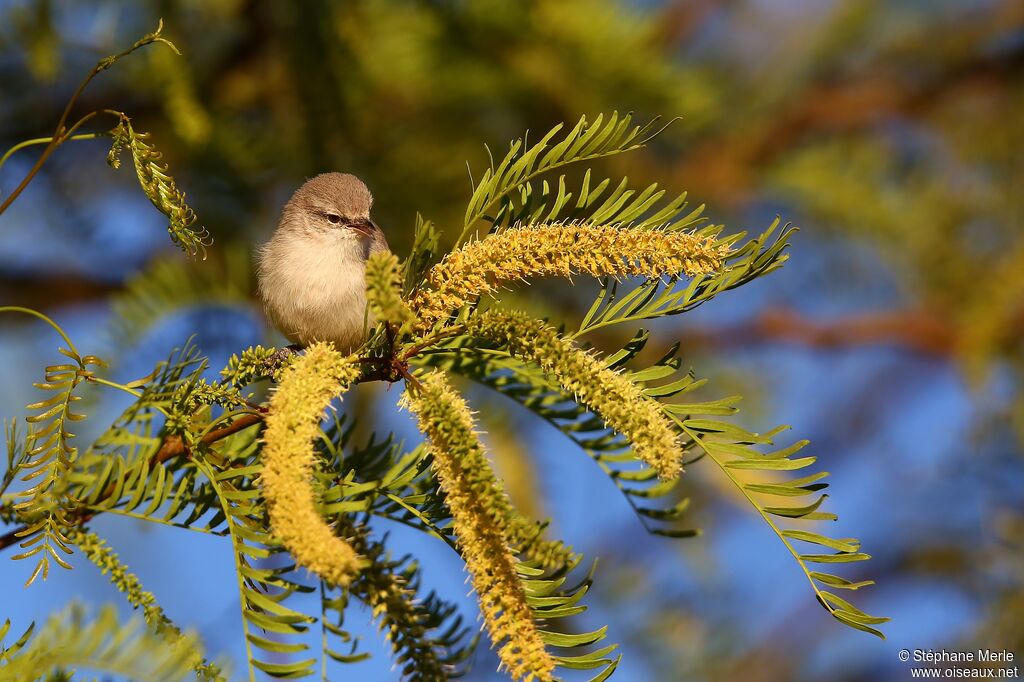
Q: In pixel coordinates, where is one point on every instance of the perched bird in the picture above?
(312, 272)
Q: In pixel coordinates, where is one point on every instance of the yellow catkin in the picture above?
(619, 401)
(561, 250)
(384, 289)
(477, 505)
(296, 408)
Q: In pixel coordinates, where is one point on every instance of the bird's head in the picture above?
(331, 202)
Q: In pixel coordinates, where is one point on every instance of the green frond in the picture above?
(48, 457)
(159, 187)
(596, 204)
(129, 650)
(428, 639)
(266, 579)
(424, 250)
(118, 474)
(333, 606)
(100, 554)
(586, 141)
(171, 283)
(17, 455)
(731, 448)
(381, 479)
(550, 599)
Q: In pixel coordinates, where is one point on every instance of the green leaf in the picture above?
(838, 582)
(841, 558)
(561, 639)
(586, 141)
(796, 512)
(843, 545)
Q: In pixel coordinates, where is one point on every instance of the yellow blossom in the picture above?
(296, 408)
(478, 507)
(619, 401)
(384, 289)
(561, 250)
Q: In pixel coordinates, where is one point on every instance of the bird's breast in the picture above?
(314, 288)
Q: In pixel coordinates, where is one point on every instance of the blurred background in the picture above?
(889, 131)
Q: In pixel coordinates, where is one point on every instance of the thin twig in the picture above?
(172, 447)
(62, 134)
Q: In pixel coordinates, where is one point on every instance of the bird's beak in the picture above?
(364, 226)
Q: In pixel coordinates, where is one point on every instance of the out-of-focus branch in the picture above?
(912, 330)
(725, 165)
(44, 291)
(680, 19)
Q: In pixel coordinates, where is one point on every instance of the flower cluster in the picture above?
(619, 401)
(384, 289)
(479, 508)
(561, 250)
(296, 408)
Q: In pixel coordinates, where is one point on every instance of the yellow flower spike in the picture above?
(384, 289)
(478, 508)
(619, 401)
(296, 408)
(563, 250)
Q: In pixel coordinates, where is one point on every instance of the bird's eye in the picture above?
(333, 218)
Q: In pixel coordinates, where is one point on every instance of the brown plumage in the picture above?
(312, 275)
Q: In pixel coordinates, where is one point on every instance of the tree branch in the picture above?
(172, 446)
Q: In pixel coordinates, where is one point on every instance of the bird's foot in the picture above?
(281, 357)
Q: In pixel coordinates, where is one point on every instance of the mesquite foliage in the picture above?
(287, 484)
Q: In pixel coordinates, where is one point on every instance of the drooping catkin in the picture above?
(477, 505)
(619, 401)
(296, 408)
(561, 250)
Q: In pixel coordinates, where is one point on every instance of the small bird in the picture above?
(312, 272)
